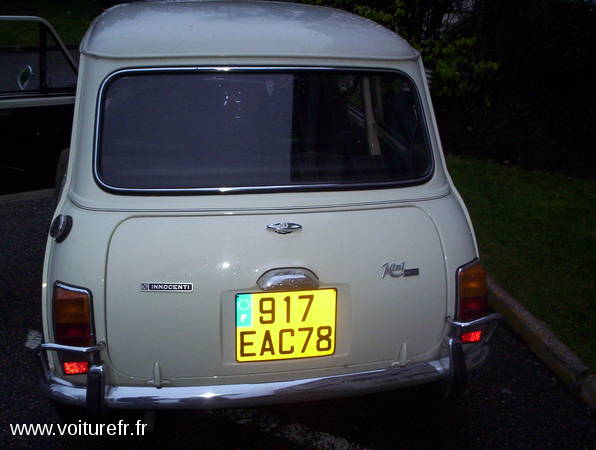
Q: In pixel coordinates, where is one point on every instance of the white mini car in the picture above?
(256, 210)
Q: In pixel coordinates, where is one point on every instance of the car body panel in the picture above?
(93, 231)
(275, 29)
(223, 255)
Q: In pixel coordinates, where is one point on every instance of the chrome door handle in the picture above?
(288, 278)
(284, 227)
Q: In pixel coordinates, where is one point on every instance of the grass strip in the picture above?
(537, 237)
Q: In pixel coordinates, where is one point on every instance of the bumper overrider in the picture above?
(452, 367)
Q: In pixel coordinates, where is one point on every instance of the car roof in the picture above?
(238, 28)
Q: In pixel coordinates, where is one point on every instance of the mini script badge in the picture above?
(395, 270)
(166, 287)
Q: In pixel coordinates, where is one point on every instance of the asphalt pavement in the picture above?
(513, 401)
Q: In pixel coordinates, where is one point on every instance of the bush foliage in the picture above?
(431, 27)
(511, 81)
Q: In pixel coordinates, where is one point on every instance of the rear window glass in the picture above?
(196, 129)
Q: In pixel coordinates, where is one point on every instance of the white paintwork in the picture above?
(345, 250)
(119, 241)
(244, 29)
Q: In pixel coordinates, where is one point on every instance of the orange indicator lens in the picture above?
(472, 293)
(72, 319)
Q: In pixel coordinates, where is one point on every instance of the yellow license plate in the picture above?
(285, 325)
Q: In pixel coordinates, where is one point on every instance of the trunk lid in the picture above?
(361, 253)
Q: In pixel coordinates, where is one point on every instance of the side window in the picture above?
(397, 120)
(32, 60)
(395, 109)
(20, 56)
(59, 73)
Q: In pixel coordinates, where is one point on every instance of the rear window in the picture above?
(201, 130)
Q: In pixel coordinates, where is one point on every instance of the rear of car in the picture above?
(253, 223)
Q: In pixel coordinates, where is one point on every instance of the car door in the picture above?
(37, 92)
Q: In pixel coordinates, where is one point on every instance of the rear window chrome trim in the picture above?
(255, 189)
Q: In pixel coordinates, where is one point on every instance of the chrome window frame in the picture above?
(256, 189)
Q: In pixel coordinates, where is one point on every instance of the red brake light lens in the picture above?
(472, 293)
(471, 337)
(75, 367)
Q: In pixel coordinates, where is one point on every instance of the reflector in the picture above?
(75, 367)
(471, 336)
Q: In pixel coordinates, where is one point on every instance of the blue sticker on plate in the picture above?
(243, 310)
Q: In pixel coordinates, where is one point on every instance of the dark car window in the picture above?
(32, 61)
(19, 50)
(185, 130)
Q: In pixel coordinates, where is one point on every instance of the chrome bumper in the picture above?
(255, 394)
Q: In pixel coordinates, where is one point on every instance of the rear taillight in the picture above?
(72, 316)
(472, 293)
(72, 325)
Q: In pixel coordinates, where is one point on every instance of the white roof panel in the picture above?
(238, 28)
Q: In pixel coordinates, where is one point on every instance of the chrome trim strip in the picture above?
(493, 320)
(70, 287)
(339, 206)
(474, 323)
(72, 349)
(252, 189)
